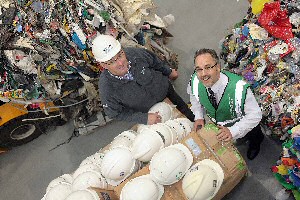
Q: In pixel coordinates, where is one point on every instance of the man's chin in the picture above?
(206, 84)
(123, 73)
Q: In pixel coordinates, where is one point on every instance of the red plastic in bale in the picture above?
(286, 121)
(276, 21)
(288, 161)
(274, 169)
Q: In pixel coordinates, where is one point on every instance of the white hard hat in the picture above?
(117, 165)
(124, 139)
(140, 127)
(146, 144)
(105, 47)
(186, 124)
(83, 195)
(85, 168)
(59, 192)
(187, 121)
(142, 188)
(129, 133)
(173, 133)
(89, 179)
(170, 164)
(95, 159)
(164, 109)
(65, 178)
(180, 132)
(203, 180)
(164, 132)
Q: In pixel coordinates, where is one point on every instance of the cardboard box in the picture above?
(106, 194)
(204, 145)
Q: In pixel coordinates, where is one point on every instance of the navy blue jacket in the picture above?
(130, 100)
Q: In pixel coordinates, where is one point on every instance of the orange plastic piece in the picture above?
(288, 161)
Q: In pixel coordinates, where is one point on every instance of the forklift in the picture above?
(20, 124)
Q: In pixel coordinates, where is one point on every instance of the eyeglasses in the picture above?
(207, 68)
(114, 59)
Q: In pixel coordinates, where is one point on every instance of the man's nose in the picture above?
(202, 72)
(119, 61)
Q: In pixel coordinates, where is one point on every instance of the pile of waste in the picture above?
(286, 170)
(265, 49)
(45, 46)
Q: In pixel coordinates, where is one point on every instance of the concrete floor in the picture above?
(26, 171)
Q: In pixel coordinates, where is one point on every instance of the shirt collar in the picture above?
(122, 77)
(220, 84)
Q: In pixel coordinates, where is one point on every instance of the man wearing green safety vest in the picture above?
(226, 99)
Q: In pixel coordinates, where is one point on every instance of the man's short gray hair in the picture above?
(212, 52)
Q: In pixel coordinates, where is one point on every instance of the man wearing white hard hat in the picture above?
(133, 81)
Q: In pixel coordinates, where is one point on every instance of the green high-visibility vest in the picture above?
(231, 106)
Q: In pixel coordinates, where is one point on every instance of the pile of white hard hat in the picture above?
(169, 163)
(167, 167)
(151, 138)
(76, 185)
(124, 156)
(202, 181)
(75, 189)
(98, 170)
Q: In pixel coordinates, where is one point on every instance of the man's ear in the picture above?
(219, 67)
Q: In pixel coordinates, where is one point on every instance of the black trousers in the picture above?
(255, 137)
(180, 104)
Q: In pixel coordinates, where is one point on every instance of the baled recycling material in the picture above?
(286, 170)
(265, 49)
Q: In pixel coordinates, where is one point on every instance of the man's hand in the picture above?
(153, 118)
(198, 124)
(224, 134)
(173, 75)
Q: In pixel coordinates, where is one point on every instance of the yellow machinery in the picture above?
(19, 125)
(9, 111)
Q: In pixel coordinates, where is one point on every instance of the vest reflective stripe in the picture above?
(238, 97)
(229, 122)
(195, 85)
